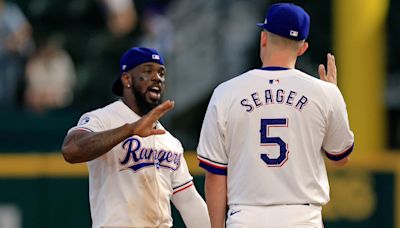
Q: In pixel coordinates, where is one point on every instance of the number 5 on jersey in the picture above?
(267, 140)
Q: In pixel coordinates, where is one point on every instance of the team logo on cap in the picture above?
(157, 57)
(123, 67)
(294, 33)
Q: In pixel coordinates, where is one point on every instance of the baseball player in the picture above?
(265, 133)
(135, 165)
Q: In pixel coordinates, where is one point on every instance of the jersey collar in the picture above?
(274, 68)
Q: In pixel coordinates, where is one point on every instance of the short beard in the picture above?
(142, 104)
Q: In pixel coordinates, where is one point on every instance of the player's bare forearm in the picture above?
(81, 146)
(215, 189)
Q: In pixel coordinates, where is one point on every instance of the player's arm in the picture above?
(82, 146)
(330, 75)
(342, 158)
(215, 189)
(338, 142)
(192, 207)
(341, 162)
(212, 156)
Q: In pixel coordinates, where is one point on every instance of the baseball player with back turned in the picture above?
(135, 166)
(265, 133)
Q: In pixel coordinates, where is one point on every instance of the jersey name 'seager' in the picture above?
(278, 96)
(138, 157)
(246, 132)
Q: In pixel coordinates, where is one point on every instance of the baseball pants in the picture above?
(276, 216)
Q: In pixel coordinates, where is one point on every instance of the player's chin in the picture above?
(153, 102)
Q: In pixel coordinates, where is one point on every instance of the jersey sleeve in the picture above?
(211, 149)
(89, 122)
(182, 178)
(339, 139)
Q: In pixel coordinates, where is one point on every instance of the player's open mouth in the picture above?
(154, 92)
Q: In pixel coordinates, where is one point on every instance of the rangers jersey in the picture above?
(131, 185)
(268, 129)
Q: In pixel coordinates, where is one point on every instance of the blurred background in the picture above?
(59, 58)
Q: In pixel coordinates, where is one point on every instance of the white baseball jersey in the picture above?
(131, 185)
(267, 130)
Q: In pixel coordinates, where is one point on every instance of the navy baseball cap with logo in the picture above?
(132, 58)
(287, 20)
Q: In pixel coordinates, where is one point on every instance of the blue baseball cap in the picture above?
(132, 58)
(287, 20)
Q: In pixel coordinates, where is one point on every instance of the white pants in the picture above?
(277, 216)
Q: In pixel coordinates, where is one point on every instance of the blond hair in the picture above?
(282, 42)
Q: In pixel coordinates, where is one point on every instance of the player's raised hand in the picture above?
(330, 74)
(145, 126)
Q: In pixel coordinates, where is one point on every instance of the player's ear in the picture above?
(303, 48)
(126, 79)
(263, 39)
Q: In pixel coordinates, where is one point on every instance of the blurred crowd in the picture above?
(35, 73)
(38, 73)
(16, 46)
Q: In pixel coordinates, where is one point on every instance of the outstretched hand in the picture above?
(145, 126)
(330, 75)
